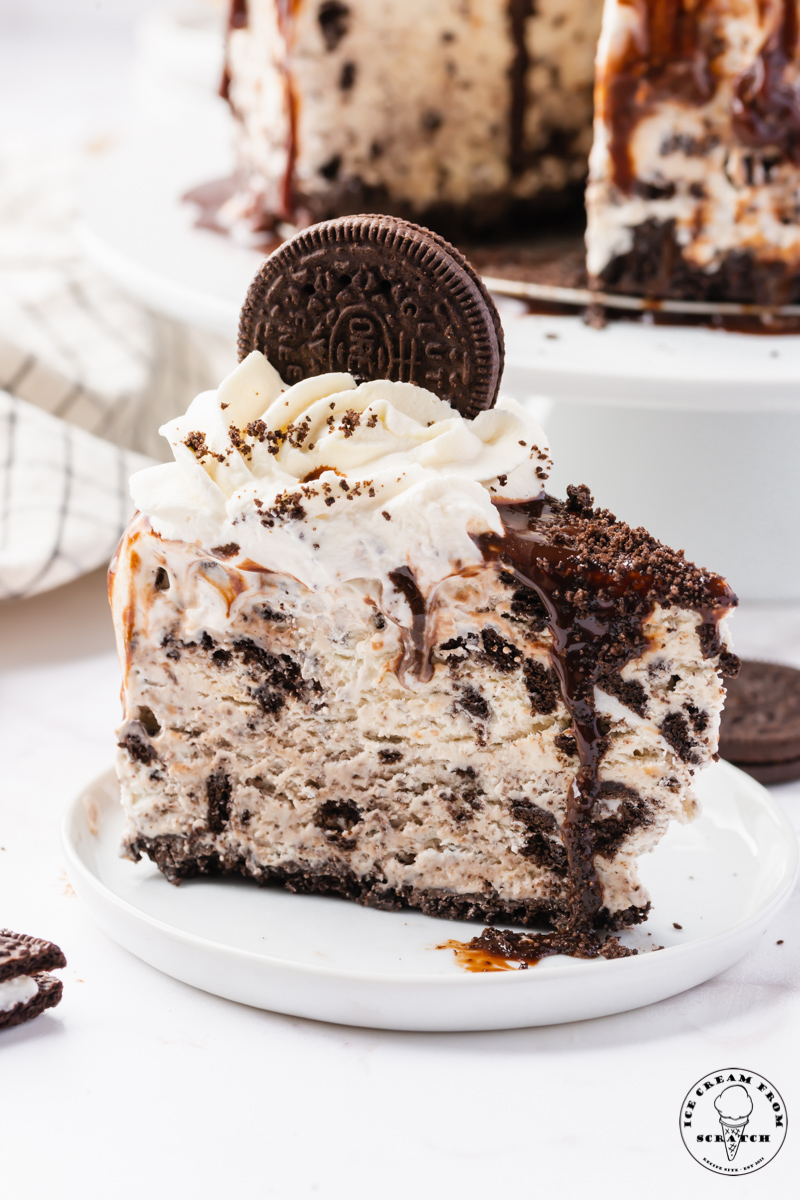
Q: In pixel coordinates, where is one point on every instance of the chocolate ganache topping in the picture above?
(599, 581)
(674, 51)
(669, 56)
(766, 107)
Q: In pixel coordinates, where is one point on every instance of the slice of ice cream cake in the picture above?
(365, 654)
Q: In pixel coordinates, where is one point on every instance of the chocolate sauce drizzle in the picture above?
(541, 564)
(595, 613)
(598, 582)
(766, 108)
(666, 58)
(416, 660)
(675, 55)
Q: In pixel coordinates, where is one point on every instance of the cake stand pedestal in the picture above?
(693, 432)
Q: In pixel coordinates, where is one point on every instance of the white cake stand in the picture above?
(693, 432)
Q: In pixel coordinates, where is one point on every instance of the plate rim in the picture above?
(552, 971)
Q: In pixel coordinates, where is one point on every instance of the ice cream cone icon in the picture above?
(734, 1107)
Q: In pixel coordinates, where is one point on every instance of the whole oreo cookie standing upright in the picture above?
(382, 299)
(760, 729)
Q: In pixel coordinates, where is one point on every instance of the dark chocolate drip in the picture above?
(595, 614)
(667, 58)
(237, 19)
(598, 582)
(518, 13)
(542, 564)
(766, 107)
(415, 659)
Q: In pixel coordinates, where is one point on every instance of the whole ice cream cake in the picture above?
(366, 654)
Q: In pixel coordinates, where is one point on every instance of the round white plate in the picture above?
(136, 229)
(722, 879)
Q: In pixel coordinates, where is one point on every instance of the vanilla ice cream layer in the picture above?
(427, 786)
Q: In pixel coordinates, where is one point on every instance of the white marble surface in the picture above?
(139, 1082)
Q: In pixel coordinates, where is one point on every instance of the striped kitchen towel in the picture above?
(87, 377)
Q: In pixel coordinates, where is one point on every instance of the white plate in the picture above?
(675, 368)
(722, 879)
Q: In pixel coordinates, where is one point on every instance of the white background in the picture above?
(140, 1086)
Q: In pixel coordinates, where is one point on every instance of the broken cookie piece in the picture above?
(26, 986)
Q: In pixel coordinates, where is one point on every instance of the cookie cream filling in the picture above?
(329, 481)
(19, 990)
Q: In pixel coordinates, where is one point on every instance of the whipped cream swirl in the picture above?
(328, 481)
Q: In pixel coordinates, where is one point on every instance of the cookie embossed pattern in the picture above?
(380, 299)
(733, 1121)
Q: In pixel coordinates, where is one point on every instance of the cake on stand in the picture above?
(694, 429)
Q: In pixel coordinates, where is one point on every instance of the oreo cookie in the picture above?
(382, 299)
(26, 987)
(760, 730)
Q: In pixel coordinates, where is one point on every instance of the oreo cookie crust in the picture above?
(383, 299)
(760, 729)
